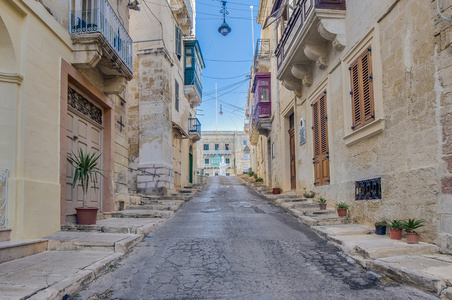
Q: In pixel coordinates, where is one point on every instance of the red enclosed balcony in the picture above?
(262, 109)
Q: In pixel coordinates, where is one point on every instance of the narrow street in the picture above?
(229, 243)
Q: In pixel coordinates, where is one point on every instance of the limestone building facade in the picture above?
(64, 66)
(360, 110)
(163, 96)
(230, 146)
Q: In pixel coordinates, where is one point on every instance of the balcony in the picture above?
(262, 109)
(194, 63)
(194, 129)
(304, 43)
(215, 152)
(183, 10)
(100, 40)
(262, 56)
(246, 127)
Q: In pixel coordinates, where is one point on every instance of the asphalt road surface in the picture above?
(230, 243)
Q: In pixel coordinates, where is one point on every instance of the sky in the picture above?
(228, 60)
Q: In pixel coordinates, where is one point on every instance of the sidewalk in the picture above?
(418, 265)
(61, 264)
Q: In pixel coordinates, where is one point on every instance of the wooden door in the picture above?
(84, 134)
(293, 172)
(320, 134)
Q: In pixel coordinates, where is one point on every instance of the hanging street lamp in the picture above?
(224, 29)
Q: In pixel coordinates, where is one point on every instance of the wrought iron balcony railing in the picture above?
(298, 21)
(98, 16)
(194, 126)
(262, 51)
(3, 197)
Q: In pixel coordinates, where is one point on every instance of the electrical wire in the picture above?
(226, 77)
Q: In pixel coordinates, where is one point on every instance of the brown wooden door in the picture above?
(82, 133)
(320, 134)
(293, 172)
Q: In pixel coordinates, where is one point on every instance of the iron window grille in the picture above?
(369, 189)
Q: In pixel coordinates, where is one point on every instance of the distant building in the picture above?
(233, 146)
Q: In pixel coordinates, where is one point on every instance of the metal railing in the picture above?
(262, 51)
(99, 16)
(3, 197)
(194, 126)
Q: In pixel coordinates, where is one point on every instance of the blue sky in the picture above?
(228, 60)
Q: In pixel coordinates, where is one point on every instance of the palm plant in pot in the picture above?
(85, 171)
(341, 208)
(395, 229)
(322, 203)
(412, 237)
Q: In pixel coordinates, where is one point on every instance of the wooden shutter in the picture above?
(320, 136)
(176, 88)
(178, 42)
(362, 90)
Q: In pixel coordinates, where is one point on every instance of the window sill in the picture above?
(365, 132)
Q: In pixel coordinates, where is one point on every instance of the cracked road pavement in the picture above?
(240, 247)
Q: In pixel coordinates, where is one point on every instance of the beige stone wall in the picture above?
(402, 145)
(32, 44)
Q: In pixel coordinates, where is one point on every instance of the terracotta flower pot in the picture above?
(342, 212)
(322, 206)
(395, 234)
(86, 215)
(276, 191)
(412, 238)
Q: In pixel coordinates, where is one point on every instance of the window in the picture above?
(246, 156)
(188, 61)
(226, 146)
(228, 161)
(207, 173)
(320, 135)
(244, 142)
(227, 174)
(273, 150)
(206, 161)
(362, 90)
(264, 95)
(178, 45)
(217, 146)
(176, 91)
(206, 146)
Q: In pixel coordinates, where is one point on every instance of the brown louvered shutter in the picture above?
(320, 135)
(362, 90)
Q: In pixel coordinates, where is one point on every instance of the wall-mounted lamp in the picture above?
(134, 5)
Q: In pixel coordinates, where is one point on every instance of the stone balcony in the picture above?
(102, 43)
(183, 10)
(304, 44)
(262, 56)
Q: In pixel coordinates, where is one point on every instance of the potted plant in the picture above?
(412, 237)
(85, 171)
(276, 190)
(250, 172)
(380, 228)
(259, 180)
(311, 194)
(322, 203)
(395, 229)
(341, 208)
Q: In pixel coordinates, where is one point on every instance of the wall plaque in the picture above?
(302, 131)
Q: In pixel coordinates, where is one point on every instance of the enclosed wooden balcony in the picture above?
(194, 129)
(262, 56)
(194, 63)
(304, 44)
(262, 109)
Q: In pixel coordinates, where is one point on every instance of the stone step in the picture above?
(301, 205)
(166, 197)
(372, 246)
(185, 191)
(162, 202)
(342, 229)
(319, 220)
(70, 241)
(153, 207)
(5, 234)
(10, 250)
(138, 213)
(118, 225)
